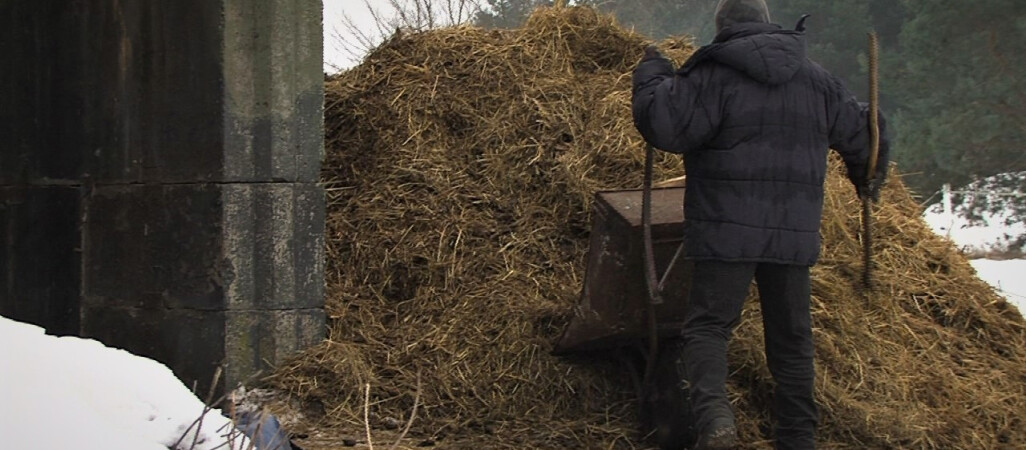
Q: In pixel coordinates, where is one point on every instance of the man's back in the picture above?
(754, 119)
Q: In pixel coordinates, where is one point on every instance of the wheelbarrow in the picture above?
(615, 304)
(634, 299)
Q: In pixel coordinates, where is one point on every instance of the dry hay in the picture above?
(461, 164)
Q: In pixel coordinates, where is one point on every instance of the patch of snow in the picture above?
(1007, 277)
(983, 218)
(72, 393)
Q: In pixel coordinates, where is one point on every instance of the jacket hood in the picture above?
(762, 51)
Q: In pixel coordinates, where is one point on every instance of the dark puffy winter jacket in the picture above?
(754, 119)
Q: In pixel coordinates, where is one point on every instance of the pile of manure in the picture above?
(461, 164)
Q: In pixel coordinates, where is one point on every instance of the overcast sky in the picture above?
(334, 53)
(339, 42)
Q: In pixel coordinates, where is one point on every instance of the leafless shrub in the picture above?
(354, 39)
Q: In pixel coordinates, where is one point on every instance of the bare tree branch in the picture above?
(355, 40)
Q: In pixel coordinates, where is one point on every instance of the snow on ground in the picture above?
(984, 218)
(1008, 277)
(977, 238)
(64, 393)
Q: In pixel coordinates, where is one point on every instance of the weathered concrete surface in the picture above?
(205, 247)
(39, 170)
(274, 90)
(186, 140)
(274, 243)
(206, 208)
(39, 98)
(220, 252)
(252, 338)
(170, 92)
(40, 257)
(203, 91)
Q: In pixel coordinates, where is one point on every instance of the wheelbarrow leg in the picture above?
(664, 401)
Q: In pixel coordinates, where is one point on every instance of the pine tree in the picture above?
(658, 19)
(964, 96)
(837, 37)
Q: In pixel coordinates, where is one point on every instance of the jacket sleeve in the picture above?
(671, 110)
(851, 137)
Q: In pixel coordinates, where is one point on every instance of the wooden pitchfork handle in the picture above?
(874, 135)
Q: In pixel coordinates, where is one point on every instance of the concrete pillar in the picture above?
(196, 129)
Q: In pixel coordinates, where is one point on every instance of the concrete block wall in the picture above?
(191, 140)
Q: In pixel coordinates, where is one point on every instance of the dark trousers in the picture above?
(718, 291)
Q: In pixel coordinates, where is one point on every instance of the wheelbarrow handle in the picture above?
(651, 279)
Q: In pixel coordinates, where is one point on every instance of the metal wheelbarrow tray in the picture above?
(614, 301)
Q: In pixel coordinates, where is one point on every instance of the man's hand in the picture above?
(870, 190)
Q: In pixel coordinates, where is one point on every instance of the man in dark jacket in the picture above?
(753, 119)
